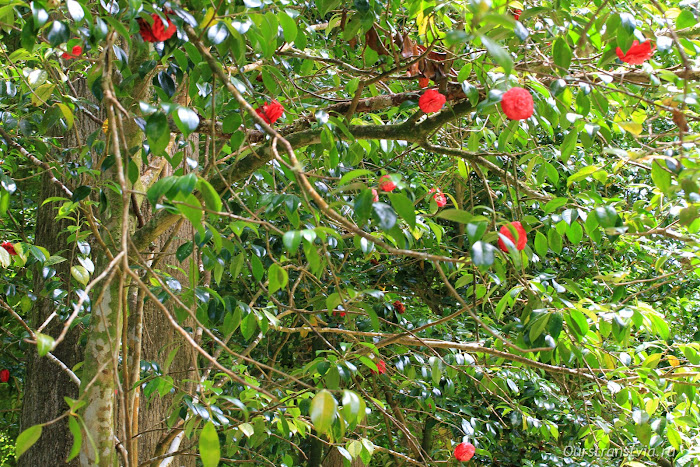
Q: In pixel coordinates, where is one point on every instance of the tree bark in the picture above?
(46, 384)
(159, 339)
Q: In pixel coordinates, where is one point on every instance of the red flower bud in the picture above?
(464, 451)
(516, 14)
(4, 376)
(423, 81)
(381, 368)
(157, 32)
(375, 195)
(9, 247)
(431, 101)
(75, 53)
(341, 313)
(637, 54)
(440, 199)
(270, 112)
(517, 104)
(506, 232)
(399, 307)
(386, 184)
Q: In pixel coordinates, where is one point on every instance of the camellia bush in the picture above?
(334, 233)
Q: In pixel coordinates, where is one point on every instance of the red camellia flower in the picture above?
(75, 53)
(4, 376)
(431, 101)
(157, 32)
(423, 81)
(375, 195)
(505, 232)
(386, 184)
(399, 307)
(381, 368)
(270, 112)
(637, 54)
(440, 199)
(464, 451)
(9, 247)
(517, 104)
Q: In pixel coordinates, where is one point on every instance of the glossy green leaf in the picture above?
(26, 439)
(157, 133)
(499, 54)
(209, 448)
(323, 411)
(44, 344)
(561, 53)
(404, 207)
(278, 278)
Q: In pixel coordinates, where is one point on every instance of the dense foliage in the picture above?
(385, 228)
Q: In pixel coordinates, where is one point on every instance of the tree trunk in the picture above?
(46, 384)
(159, 339)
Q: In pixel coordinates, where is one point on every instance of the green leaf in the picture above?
(483, 254)
(80, 274)
(499, 54)
(257, 267)
(186, 120)
(192, 210)
(75, 10)
(577, 322)
(582, 174)
(324, 6)
(278, 278)
(159, 188)
(323, 411)
(538, 326)
(77, 438)
(404, 207)
(157, 133)
(685, 20)
(541, 245)
(26, 439)
(476, 230)
(555, 241)
(363, 206)
(42, 94)
(118, 26)
(569, 144)
(353, 407)
(44, 344)
(291, 240)
(58, 33)
(353, 174)
(562, 54)
(81, 193)
(289, 26)
(660, 176)
(67, 114)
(209, 449)
(211, 198)
(456, 215)
(607, 216)
(556, 321)
(554, 204)
(384, 215)
(248, 325)
(575, 233)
